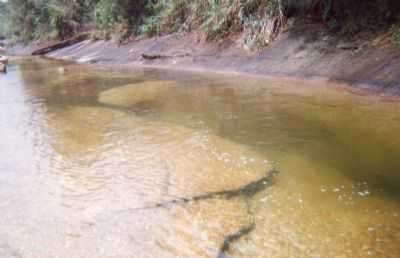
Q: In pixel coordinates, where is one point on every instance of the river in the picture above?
(105, 163)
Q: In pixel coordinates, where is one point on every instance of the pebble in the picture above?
(363, 194)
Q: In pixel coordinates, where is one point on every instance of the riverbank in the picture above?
(366, 62)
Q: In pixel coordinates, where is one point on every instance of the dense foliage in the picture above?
(4, 24)
(260, 20)
(30, 19)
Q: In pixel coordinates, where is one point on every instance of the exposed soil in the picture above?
(367, 61)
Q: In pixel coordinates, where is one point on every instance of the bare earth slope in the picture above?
(371, 63)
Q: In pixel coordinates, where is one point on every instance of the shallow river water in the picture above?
(100, 163)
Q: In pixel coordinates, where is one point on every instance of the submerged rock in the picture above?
(192, 161)
(131, 94)
(75, 129)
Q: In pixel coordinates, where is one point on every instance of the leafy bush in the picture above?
(152, 24)
(395, 32)
(4, 20)
(176, 15)
(32, 19)
(119, 17)
(107, 14)
(165, 16)
(349, 17)
(261, 21)
(221, 18)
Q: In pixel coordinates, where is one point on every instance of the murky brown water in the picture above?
(99, 163)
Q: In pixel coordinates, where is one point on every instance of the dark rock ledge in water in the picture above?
(246, 192)
(230, 239)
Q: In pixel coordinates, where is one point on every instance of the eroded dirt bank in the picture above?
(370, 62)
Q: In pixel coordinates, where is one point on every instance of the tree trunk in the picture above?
(61, 44)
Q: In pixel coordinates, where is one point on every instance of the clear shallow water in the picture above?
(95, 163)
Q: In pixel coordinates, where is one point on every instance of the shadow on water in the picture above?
(348, 135)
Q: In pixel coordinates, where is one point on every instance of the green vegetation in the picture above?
(395, 31)
(4, 23)
(118, 17)
(35, 19)
(259, 20)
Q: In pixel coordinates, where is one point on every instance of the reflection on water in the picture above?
(102, 163)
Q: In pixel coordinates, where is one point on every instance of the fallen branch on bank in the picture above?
(153, 56)
(148, 56)
(61, 44)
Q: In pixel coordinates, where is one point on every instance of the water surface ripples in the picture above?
(154, 163)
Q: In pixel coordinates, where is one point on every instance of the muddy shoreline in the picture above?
(364, 65)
